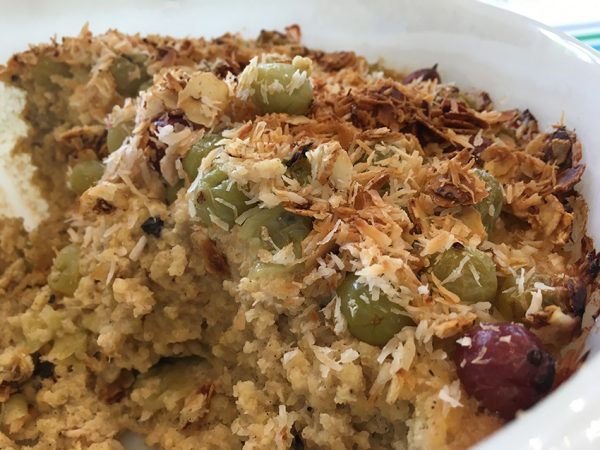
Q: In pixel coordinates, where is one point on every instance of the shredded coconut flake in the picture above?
(450, 394)
(476, 275)
(338, 317)
(479, 358)
(285, 256)
(457, 272)
(297, 81)
(423, 289)
(111, 272)
(337, 261)
(536, 303)
(348, 356)
(138, 248)
(520, 282)
(331, 233)
(464, 341)
(288, 356)
(543, 287)
(322, 354)
(219, 222)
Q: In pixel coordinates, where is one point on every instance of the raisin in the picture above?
(297, 441)
(153, 226)
(42, 369)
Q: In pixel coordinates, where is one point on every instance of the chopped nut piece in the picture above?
(204, 98)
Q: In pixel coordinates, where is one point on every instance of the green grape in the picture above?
(272, 90)
(372, 321)
(513, 304)
(472, 274)
(300, 170)
(172, 191)
(215, 195)
(271, 270)
(129, 73)
(117, 134)
(167, 384)
(491, 206)
(85, 174)
(283, 227)
(47, 68)
(191, 161)
(64, 276)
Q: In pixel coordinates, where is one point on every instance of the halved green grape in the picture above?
(270, 270)
(85, 174)
(467, 272)
(512, 302)
(129, 73)
(300, 170)
(65, 275)
(192, 159)
(283, 227)
(382, 154)
(169, 383)
(215, 195)
(491, 206)
(171, 191)
(275, 90)
(46, 68)
(146, 84)
(372, 321)
(117, 134)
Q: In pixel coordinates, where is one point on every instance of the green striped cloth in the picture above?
(588, 33)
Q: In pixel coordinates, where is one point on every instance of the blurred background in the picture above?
(580, 18)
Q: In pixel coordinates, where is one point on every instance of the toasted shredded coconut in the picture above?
(288, 356)
(450, 394)
(520, 282)
(505, 339)
(536, 303)
(457, 271)
(476, 275)
(138, 248)
(479, 358)
(464, 341)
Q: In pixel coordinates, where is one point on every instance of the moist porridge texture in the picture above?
(252, 244)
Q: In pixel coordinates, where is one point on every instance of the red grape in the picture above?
(504, 366)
